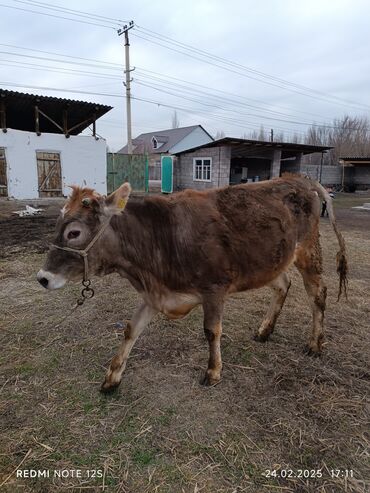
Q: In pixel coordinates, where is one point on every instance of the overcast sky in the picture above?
(322, 45)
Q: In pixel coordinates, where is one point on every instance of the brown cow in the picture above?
(196, 248)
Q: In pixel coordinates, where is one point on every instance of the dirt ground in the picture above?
(279, 421)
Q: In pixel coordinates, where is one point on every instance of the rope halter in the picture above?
(87, 291)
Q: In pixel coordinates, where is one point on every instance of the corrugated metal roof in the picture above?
(355, 158)
(20, 112)
(169, 138)
(245, 145)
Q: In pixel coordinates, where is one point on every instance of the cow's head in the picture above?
(80, 220)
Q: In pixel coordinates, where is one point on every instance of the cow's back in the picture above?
(240, 236)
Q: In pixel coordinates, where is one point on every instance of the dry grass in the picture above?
(162, 432)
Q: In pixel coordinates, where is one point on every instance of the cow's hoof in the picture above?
(109, 388)
(309, 351)
(209, 381)
(261, 337)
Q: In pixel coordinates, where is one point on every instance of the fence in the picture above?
(132, 168)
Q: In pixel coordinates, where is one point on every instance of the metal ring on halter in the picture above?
(87, 292)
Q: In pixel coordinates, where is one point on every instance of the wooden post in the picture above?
(65, 123)
(37, 121)
(94, 126)
(2, 116)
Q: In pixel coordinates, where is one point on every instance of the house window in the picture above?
(202, 169)
(154, 143)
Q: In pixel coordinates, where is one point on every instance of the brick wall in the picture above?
(331, 175)
(220, 174)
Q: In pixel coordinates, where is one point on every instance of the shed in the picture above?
(355, 172)
(41, 151)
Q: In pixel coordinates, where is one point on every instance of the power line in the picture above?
(235, 122)
(203, 53)
(72, 11)
(116, 65)
(241, 73)
(117, 78)
(163, 87)
(238, 65)
(99, 75)
(220, 107)
(56, 16)
(165, 76)
(60, 70)
(22, 55)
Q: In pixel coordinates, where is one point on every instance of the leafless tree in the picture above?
(175, 120)
(350, 136)
(220, 134)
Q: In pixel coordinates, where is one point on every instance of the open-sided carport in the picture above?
(235, 160)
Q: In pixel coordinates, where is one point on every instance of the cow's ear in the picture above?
(116, 201)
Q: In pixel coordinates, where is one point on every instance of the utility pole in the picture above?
(272, 135)
(127, 84)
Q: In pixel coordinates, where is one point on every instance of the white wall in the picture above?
(196, 138)
(83, 159)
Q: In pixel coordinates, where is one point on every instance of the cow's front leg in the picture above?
(139, 321)
(213, 329)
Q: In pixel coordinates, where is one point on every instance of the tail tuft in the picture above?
(342, 270)
(342, 262)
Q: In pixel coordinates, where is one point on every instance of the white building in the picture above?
(41, 152)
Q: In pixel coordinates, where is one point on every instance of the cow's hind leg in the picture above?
(309, 263)
(135, 327)
(280, 287)
(213, 309)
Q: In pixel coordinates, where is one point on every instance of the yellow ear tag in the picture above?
(121, 204)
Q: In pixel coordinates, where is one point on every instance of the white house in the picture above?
(41, 152)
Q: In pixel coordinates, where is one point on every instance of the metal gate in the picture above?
(133, 168)
(3, 175)
(49, 174)
(167, 174)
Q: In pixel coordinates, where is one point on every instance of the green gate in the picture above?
(133, 168)
(167, 174)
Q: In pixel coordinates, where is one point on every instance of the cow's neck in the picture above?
(141, 236)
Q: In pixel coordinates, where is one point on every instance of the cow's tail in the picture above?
(342, 263)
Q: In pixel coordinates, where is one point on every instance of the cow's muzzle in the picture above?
(49, 280)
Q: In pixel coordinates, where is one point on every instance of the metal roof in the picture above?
(168, 138)
(356, 159)
(20, 112)
(242, 147)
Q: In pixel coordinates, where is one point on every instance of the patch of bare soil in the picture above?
(279, 421)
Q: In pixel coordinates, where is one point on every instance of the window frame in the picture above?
(154, 142)
(202, 172)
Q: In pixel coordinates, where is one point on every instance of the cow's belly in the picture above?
(175, 305)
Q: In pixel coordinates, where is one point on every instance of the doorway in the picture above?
(49, 174)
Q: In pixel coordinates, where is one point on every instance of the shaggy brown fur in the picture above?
(198, 247)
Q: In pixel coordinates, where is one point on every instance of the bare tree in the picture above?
(220, 134)
(261, 133)
(348, 135)
(175, 120)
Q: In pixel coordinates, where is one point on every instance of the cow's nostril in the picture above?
(44, 282)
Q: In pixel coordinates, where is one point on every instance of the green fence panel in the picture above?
(132, 168)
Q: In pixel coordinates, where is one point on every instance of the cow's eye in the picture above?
(73, 234)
